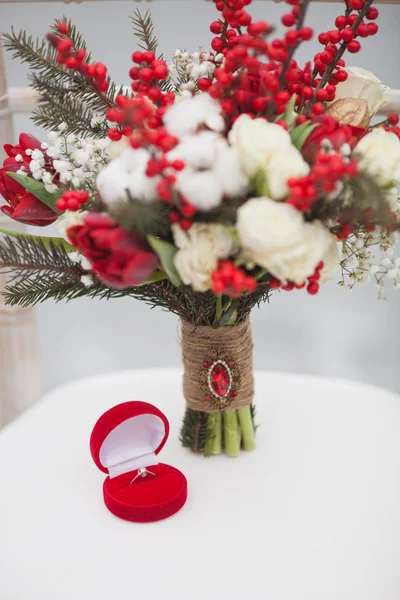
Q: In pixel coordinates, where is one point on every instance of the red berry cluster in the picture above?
(326, 172)
(231, 280)
(72, 200)
(328, 63)
(262, 85)
(76, 59)
(312, 282)
(185, 214)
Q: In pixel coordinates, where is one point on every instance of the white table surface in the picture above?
(313, 514)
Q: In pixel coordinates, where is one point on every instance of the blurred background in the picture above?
(336, 333)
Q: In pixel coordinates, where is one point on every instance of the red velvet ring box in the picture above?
(125, 441)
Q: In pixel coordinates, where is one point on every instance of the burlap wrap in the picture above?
(199, 344)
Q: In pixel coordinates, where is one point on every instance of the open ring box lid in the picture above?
(126, 438)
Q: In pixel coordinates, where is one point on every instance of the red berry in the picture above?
(114, 134)
(288, 20)
(64, 45)
(318, 108)
(313, 288)
(325, 57)
(216, 27)
(137, 56)
(354, 46)
(356, 4)
(341, 75)
(347, 34)
(204, 83)
(393, 119)
(322, 95)
(306, 33)
(217, 44)
(258, 28)
(323, 38)
(341, 22)
(334, 36)
(148, 56)
(363, 30)
(372, 13)
(372, 28)
(307, 92)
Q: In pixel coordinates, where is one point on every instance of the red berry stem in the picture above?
(338, 55)
(287, 63)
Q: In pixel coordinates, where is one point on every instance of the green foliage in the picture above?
(147, 219)
(166, 253)
(194, 432)
(47, 241)
(143, 30)
(65, 95)
(300, 134)
(38, 189)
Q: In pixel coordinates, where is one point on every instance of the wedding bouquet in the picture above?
(205, 186)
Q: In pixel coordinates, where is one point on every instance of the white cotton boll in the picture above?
(133, 159)
(112, 184)
(197, 151)
(201, 188)
(227, 168)
(143, 188)
(183, 118)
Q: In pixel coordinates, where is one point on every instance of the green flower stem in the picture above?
(211, 434)
(247, 428)
(217, 441)
(231, 433)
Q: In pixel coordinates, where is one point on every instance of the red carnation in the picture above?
(120, 259)
(330, 129)
(22, 205)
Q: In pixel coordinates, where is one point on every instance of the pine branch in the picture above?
(147, 219)
(21, 254)
(60, 88)
(143, 30)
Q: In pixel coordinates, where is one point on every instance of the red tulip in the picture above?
(119, 259)
(22, 205)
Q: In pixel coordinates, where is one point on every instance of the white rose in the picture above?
(199, 250)
(255, 141)
(282, 166)
(276, 237)
(364, 85)
(379, 156)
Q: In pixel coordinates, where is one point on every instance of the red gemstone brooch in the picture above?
(219, 379)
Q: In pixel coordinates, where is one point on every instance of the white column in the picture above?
(19, 360)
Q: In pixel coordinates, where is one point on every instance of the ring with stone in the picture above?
(143, 472)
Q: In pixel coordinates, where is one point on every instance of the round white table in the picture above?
(313, 514)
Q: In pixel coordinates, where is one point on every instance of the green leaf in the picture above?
(47, 241)
(166, 253)
(157, 276)
(300, 134)
(38, 189)
(289, 116)
(260, 184)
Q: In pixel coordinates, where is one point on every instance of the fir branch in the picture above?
(194, 433)
(143, 30)
(22, 254)
(61, 89)
(147, 219)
